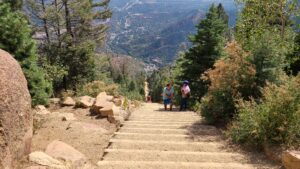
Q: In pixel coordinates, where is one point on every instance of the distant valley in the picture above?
(155, 30)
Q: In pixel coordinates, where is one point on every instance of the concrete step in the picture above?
(161, 122)
(169, 126)
(165, 120)
(165, 116)
(174, 165)
(167, 145)
(183, 156)
(190, 131)
(154, 139)
(164, 137)
(165, 113)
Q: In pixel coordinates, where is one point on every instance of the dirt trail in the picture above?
(156, 139)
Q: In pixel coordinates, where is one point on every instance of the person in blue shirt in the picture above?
(168, 94)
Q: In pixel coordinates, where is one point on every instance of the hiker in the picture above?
(149, 100)
(168, 94)
(185, 95)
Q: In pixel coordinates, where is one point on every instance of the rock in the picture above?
(68, 102)
(100, 102)
(125, 114)
(108, 110)
(46, 160)
(109, 98)
(112, 113)
(15, 113)
(291, 159)
(41, 110)
(67, 116)
(36, 167)
(118, 102)
(132, 106)
(61, 150)
(54, 100)
(115, 119)
(85, 102)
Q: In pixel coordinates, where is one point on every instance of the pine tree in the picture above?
(207, 47)
(264, 30)
(15, 37)
(73, 50)
(14, 4)
(131, 86)
(222, 14)
(294, 57)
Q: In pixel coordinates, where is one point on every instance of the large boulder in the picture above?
(118, 101)
(41, 110)
(61, 150)
(43, 159)
(113, 114)
(109, 98)
(85, 102)
(68, 102)
(100, 102)
(291, 159)
(108, 109)
(15, 113)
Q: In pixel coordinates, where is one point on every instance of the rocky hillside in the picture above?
(72, 133)
(154, 30)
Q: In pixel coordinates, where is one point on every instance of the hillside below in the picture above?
(156, 30)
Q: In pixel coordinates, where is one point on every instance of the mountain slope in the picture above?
(154, 30)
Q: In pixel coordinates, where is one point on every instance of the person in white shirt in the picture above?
(168, 94)
(185, 95)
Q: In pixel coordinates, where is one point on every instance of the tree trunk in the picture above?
(282, 19)
(45, 22)
(68, 19)
(58, 24)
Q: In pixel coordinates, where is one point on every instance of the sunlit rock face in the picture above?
(15, 113)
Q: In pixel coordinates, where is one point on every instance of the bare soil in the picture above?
(88, 134)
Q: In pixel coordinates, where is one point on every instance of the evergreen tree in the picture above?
(207, 47)
(264, 29)
(157, 82)
(14, 4)
(259, 16)
(222, 14)
(131, 86)
(294, 57)
(71, 51)
(15, 37)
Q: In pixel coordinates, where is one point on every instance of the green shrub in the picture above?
(94, 88)
(15, 38)
(276, 120)
(232, 78)
(125, 104)
(133, 95)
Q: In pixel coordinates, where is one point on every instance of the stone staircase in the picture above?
(154, 139)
